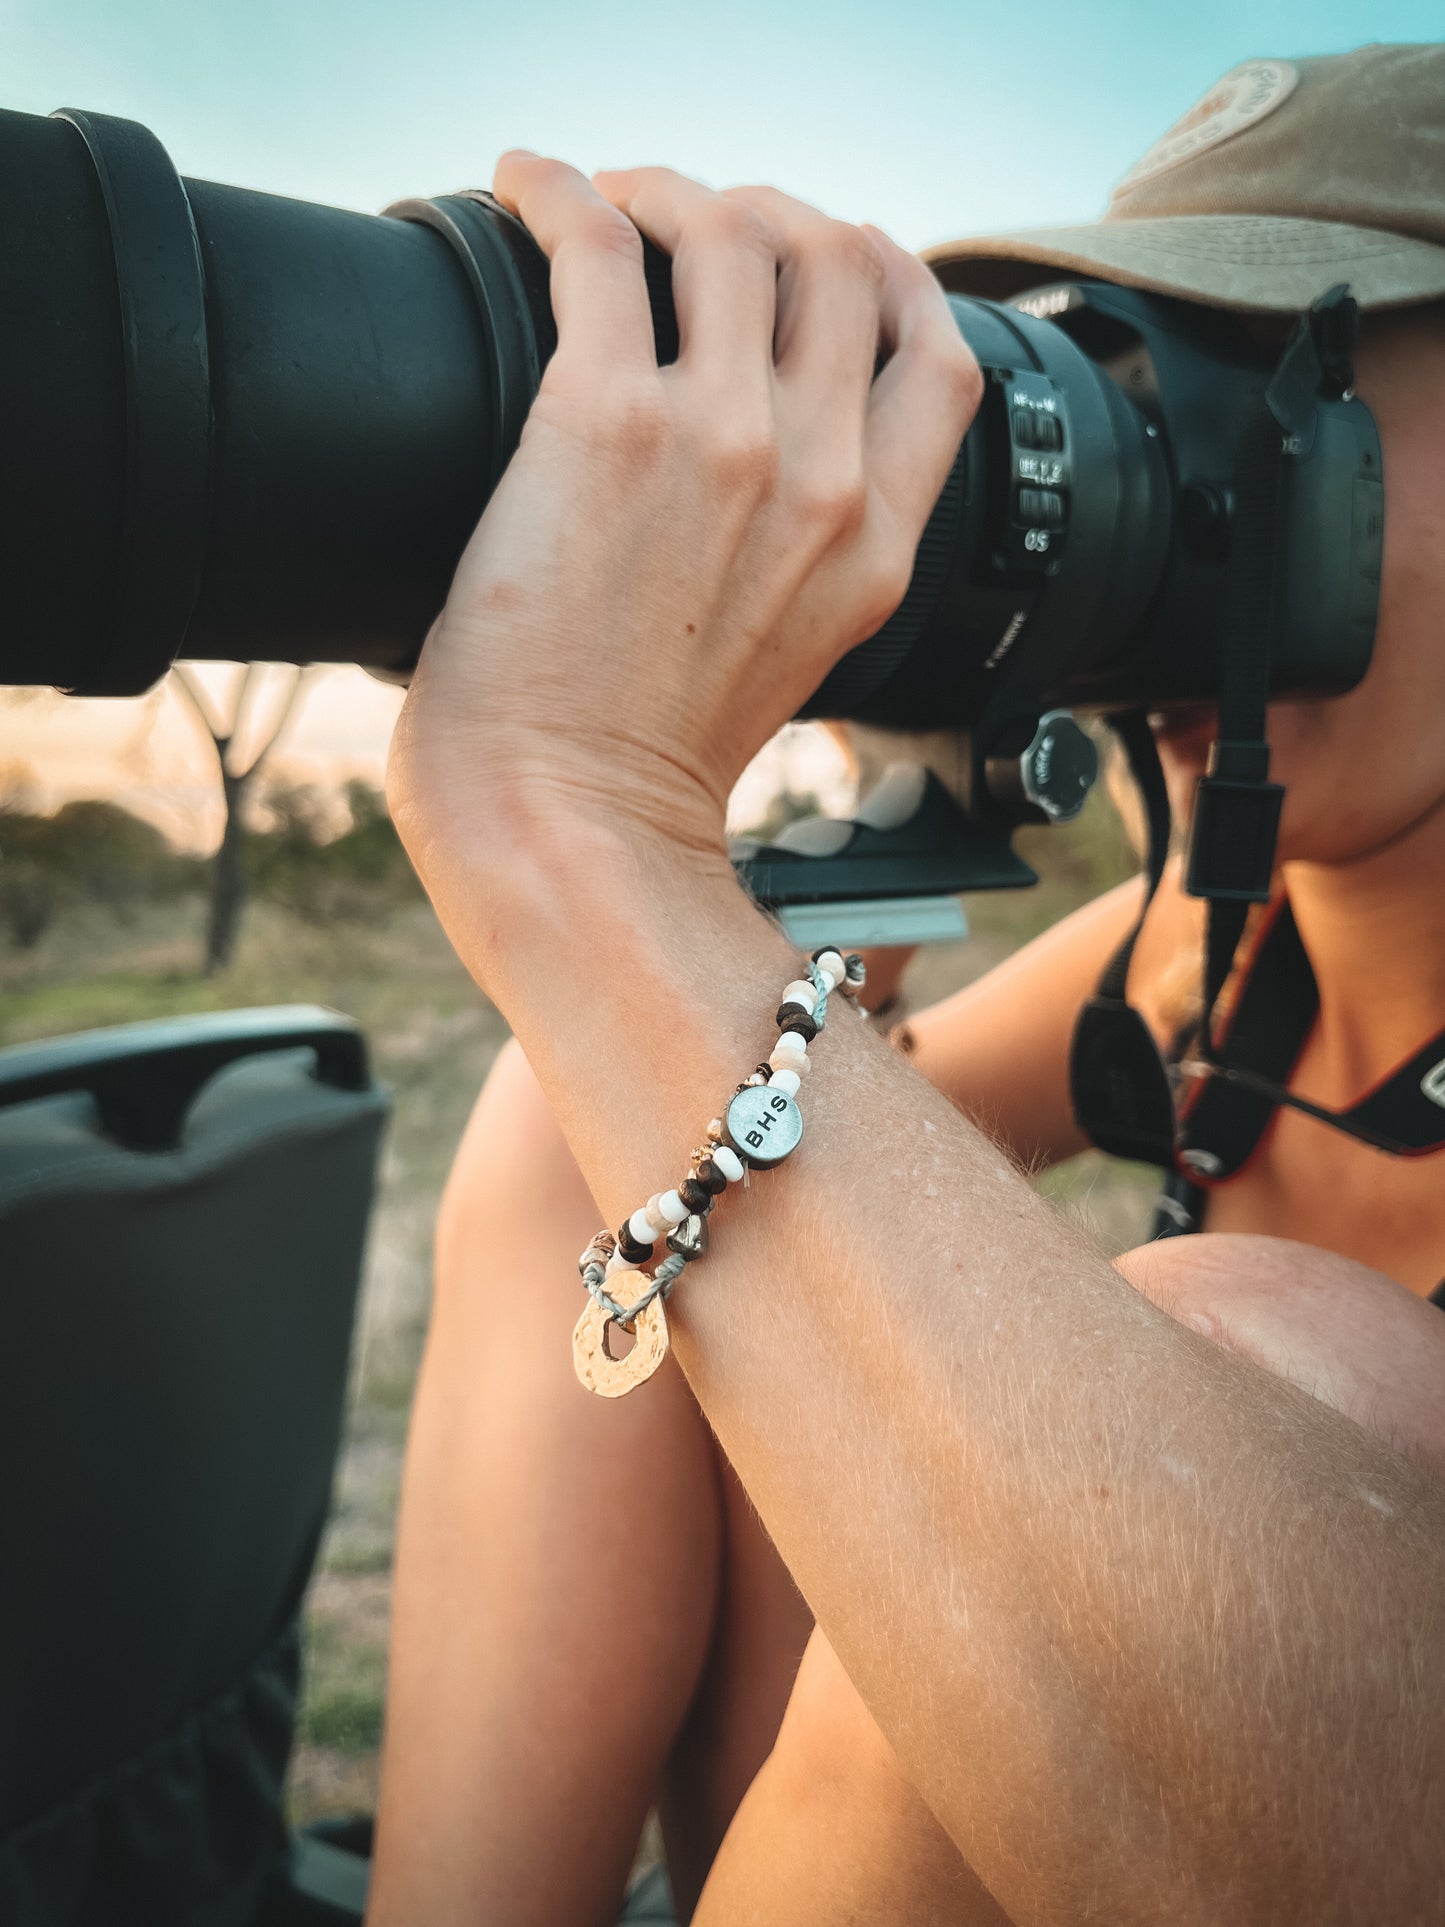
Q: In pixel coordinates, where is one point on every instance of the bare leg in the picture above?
(831, 1834)
(761, 1630)
(560, 1563)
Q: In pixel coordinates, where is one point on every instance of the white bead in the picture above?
(786, 1056)
(787, 1080)
(672, 1207)
(638, 1225)
(652, 1211)
(798, 992)
(832, 960)
(618, 1263)
(728, 1162)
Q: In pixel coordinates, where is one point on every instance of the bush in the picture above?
(326, 858)
(29, 898)
(302, 862)
(85, 852)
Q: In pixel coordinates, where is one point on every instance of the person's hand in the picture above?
(676, 557)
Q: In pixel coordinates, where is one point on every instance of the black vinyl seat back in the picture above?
(183, 1208)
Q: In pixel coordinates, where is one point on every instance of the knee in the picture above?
(1349, 1336)
(829, 1748)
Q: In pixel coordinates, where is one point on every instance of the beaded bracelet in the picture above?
(761, 1125)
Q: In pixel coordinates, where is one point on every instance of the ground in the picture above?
(433, 1036)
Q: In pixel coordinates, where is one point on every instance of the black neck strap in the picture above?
(1242, 1086)
(1236, 807)
(1119, 1086)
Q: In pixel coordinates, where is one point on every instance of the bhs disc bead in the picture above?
(764, 1125)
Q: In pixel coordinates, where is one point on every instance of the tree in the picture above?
(256, 690)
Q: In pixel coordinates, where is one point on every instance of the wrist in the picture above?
(640, 992)
(583, 891)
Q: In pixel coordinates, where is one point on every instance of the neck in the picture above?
(1374, 931)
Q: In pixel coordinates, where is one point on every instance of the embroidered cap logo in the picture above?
(1245, 95)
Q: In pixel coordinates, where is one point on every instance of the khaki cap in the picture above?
(1288, 176)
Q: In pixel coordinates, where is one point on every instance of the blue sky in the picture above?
(925, 118)
(931, 120)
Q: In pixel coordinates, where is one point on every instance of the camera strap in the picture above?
(1228, 1110)
(1119, 1085)
(1122, 1094)
(1236, 808)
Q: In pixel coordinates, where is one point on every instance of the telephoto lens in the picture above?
(245, 427)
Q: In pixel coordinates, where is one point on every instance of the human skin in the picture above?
(510, 1512)
(961, 1427)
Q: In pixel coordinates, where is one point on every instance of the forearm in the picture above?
(1105, 1588)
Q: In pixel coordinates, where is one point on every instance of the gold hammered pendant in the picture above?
(598, 1370)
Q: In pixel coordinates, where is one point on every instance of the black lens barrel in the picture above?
(240, 426)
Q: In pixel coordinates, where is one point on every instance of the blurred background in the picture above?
(223, 841)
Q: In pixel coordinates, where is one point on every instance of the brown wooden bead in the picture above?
(710, 1178)
(694, 1195)
(791, 1017)
(632, 1251)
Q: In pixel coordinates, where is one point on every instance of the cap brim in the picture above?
(1255, 262)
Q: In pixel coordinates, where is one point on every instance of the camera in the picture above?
(241, 426)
